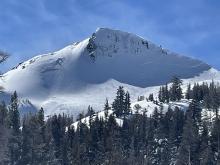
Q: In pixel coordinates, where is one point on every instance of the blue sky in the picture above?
(31, 27)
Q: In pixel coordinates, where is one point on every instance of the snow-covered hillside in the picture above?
(87, 72)
(138, 107)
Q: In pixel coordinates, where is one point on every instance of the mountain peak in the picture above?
(111, 42)
(118, 58)
(108, 32)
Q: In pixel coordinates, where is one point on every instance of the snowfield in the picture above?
(86, 73)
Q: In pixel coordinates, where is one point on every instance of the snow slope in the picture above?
(138, 107)
(100, 115)
(87, 72)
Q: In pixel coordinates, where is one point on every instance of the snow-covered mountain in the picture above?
(87, 72)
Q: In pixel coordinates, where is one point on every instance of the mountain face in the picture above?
(132, 60)
(87, 72)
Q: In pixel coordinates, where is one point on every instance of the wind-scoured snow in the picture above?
(86, 73)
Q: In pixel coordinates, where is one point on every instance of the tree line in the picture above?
(167, 137)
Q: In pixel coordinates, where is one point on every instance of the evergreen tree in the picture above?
(4, 133)
(41, 142)
(196, 92)
(207, 101)
(151, 97)
(127, 104)
(118, 105)
(26, 145)
(167, 96)
(14, 121)
(14, 144)
(215, 139)
(196, 110)
(160, 95)
(64, 149)
(189, 146)
(106, 108)
(163, 95)
(215, 101)
(177, 126)
(57, 134)
(176, 90)
(90, 111)
(168, 121)
(206, 154)
(3, 114)
(188, 94)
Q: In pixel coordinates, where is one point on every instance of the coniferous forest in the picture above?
(167, 137)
